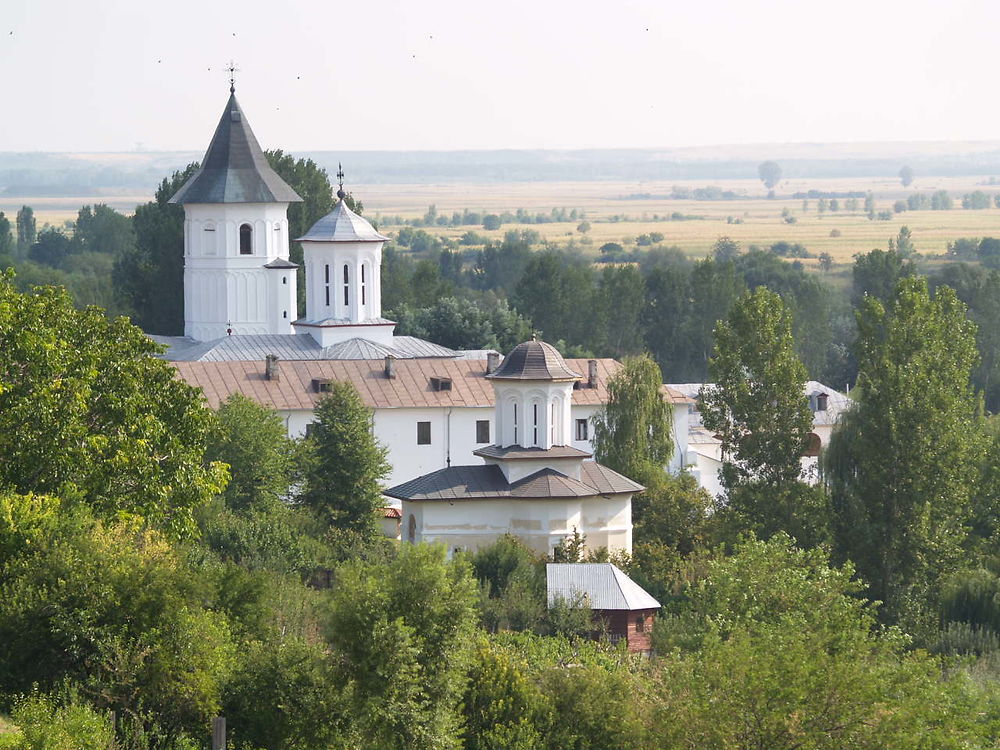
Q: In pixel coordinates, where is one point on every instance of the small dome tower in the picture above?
(237, 276)
(534, 390)
(343, 260)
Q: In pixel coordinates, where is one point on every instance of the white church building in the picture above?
(440, 412)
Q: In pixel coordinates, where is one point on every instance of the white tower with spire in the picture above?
(237, 276)
(343, 259)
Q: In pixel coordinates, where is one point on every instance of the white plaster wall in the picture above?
(223, 288)
(356, 256)
(533, 413)
(452, 435)
(540, 523)
(397, 428)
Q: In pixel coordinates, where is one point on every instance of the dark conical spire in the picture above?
(235, 169)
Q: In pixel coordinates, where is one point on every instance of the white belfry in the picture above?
(343, 260)
(237, 276)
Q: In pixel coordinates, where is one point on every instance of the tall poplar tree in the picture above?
(345, 463)
(758, 409)
(902, 467)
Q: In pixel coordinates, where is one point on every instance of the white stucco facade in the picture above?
(453, 435)
(541, 523)
(226, 286)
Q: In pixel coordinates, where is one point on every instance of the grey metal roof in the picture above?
(342, 322)
(602, 586)
(342, 225)
(534, 360)
(243, 347)
(281, 263)
(235, 169)
(516, 452)
(488, 482)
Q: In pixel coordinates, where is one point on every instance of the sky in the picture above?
(122, 75)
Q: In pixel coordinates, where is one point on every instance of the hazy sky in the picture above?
(106, 75)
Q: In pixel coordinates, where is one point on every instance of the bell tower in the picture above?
(237, 276)
(343, 258)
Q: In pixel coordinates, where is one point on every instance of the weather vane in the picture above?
(233, 70)
(340, 180)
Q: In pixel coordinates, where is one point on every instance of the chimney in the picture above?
(591, 373)
(492, 361)
(271, 371)
(390, 367)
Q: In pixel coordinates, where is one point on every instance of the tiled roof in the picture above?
(534, 360)
(390, 513)
(602, 585)
(488, 482)
(234, 169)
(410, 388)
(300, 346)
(515, 452)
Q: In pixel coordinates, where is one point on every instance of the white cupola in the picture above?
(237, 276)
(343, 261)
(533, 391)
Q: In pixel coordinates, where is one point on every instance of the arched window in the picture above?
(534, 423)
(246, 239)
(326, 281)
(347, 288)
(515, 423)
(362, 284)
(411, 530)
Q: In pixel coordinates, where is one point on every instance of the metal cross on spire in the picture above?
(233, 70)
(340, 180)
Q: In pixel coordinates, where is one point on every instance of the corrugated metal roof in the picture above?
(342, 225)
(410, 388)
(303, 346)
(534, 360)
(602, 585)
(488, 482)
(235, 169)
(516, 452)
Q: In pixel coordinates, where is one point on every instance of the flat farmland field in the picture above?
(615, 213)
(622, 211)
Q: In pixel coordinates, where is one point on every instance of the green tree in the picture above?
(902, 467)
(725, 249)
(101, 229)
(149, 278)
(7, 245)
(461, 323)
(776, 650)
(252, 440)
(877, 274)
(51, 248)
(89, 413)
(632, 433)
(757, 408)
(491, 222)
(26, 229)
(401, 632)
(870, 205)
(769, 173)
(113, 610)
(906, 176)
(345, 464)
(825, 262)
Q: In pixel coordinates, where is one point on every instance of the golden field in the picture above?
(760, 220)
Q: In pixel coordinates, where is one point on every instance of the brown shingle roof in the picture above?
(534, 360)
(488, 482)
(410, 388)
(515, 452)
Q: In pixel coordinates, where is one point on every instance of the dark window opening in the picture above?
(284, 279)
(813, 444)
(535, 422)
(346, 286)
(322, 385)
(640, 624)
(246, 239)
(581, 429)
(482, 431)
(423, 433)
(515, 425)
(363, 285)
(328, 296)
(284, 314)
(822, 400)
(441, 384)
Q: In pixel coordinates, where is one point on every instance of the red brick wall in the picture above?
(624, 625)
